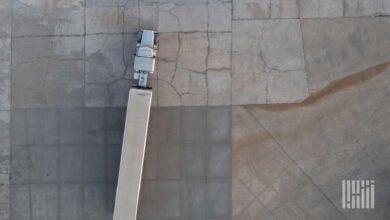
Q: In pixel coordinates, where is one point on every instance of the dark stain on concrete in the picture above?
(334, 87)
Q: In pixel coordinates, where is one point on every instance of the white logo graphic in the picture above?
(358, 194)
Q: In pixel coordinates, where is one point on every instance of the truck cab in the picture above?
(145, 58)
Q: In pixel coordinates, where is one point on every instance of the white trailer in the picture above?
(132, 157)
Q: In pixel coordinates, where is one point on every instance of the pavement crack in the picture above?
(177, 18)
(174, 89)
(177, 57)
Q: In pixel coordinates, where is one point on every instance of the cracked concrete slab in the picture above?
(361, 8)
(104, 3)
(120, 19)
(260, 51)
(218, 87)
(169, 47)
(182, 71)
(104, 58)
(148, 16)
(219, 55)
(48, 83)
(39, 48)
(105, 20)
(284, 9)
(108, 67)
(265, 9)
(187, 88)
(40, 18)
(385, 7)
(195, 16)
(5, 73)
(5, 18)
(220, 17)
(67, 21)
(191, 59)
(96, 95)
(5, 88)
(359, 44)
(47, 71)
(251, 9)
(321, 8)
(183, 18)
(294, 82)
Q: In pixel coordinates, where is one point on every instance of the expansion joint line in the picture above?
(295, 163)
